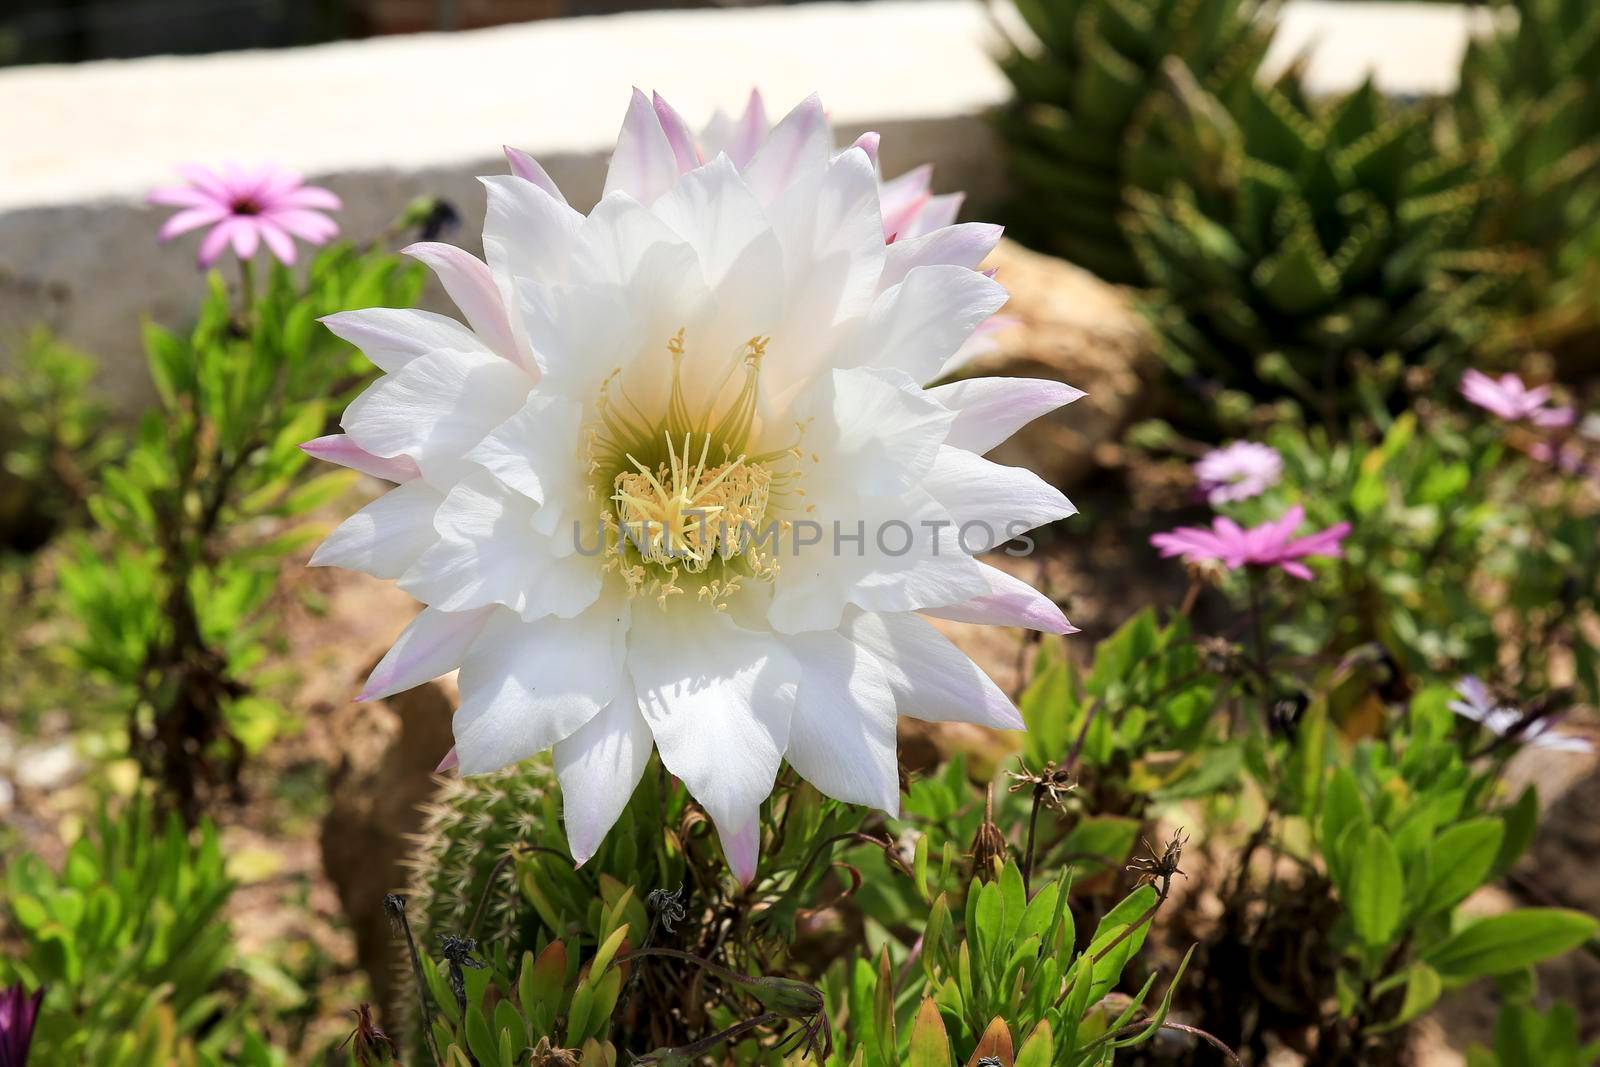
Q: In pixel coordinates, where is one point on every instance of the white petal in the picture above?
(1009, 602)
(992, 503)
(468, 281)
(615, 240)
(842, 736)
(718, 699)
(989, 410)
(880, 430)
(965, 245)
(527, 233)
(527, 685)
(713, 210)
(833, 255)
(435, 409)
(643, 165)
(488, 552)
(938, 213)
(931, 678)
(393, 337)
(338, 448)
(894, 553)
(533, 453)
(599, 766)
(432, 645)
(798, 146)
(918, 325)
(386, 536)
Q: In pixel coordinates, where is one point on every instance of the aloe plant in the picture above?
(1531, 95)
(1289, 239)
(1078, 91)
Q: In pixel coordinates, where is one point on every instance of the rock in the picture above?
(1074, 328)
(384, 777)
(48, 767)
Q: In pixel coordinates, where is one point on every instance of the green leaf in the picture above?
(1342, 805)
(1039, 1050)
(1504, 943)
(1461, 858)
(1423, 986)
(930, 1045)
(1521, 822)
(1376, 889)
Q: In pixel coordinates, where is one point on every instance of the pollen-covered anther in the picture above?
(687, 514)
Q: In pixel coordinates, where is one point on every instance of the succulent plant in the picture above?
(491, 864)
(1096, 63)
(1530, 93)
(1300, 245)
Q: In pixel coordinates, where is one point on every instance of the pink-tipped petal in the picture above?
(450, 762)
(989, 410)
(339, 448)
(742, 847)
(868, 143)
(800, 143)
(470, 284)
(1296, 570)
(643, 165)
(433, 644)
(1012, 602)
(936, 214)
(679, 137)
(528, 169)
(752, 130)
(965, 245)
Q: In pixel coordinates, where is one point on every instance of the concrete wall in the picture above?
(382, 121)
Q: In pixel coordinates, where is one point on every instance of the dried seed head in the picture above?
(546, 1055)
(667, 907)
(988, 844)
(1051, 782)
(369, 1045)
(1160, 868)
(1219, 655)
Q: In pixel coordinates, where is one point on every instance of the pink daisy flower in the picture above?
(247, 207)
(1508, 398)
(1475, 702)
(1272, 544)
(1238, 472)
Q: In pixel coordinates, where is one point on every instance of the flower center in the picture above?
(686, 498)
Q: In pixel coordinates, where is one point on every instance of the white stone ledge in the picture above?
(384, 120)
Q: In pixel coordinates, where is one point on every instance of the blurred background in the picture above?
(72, 31)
